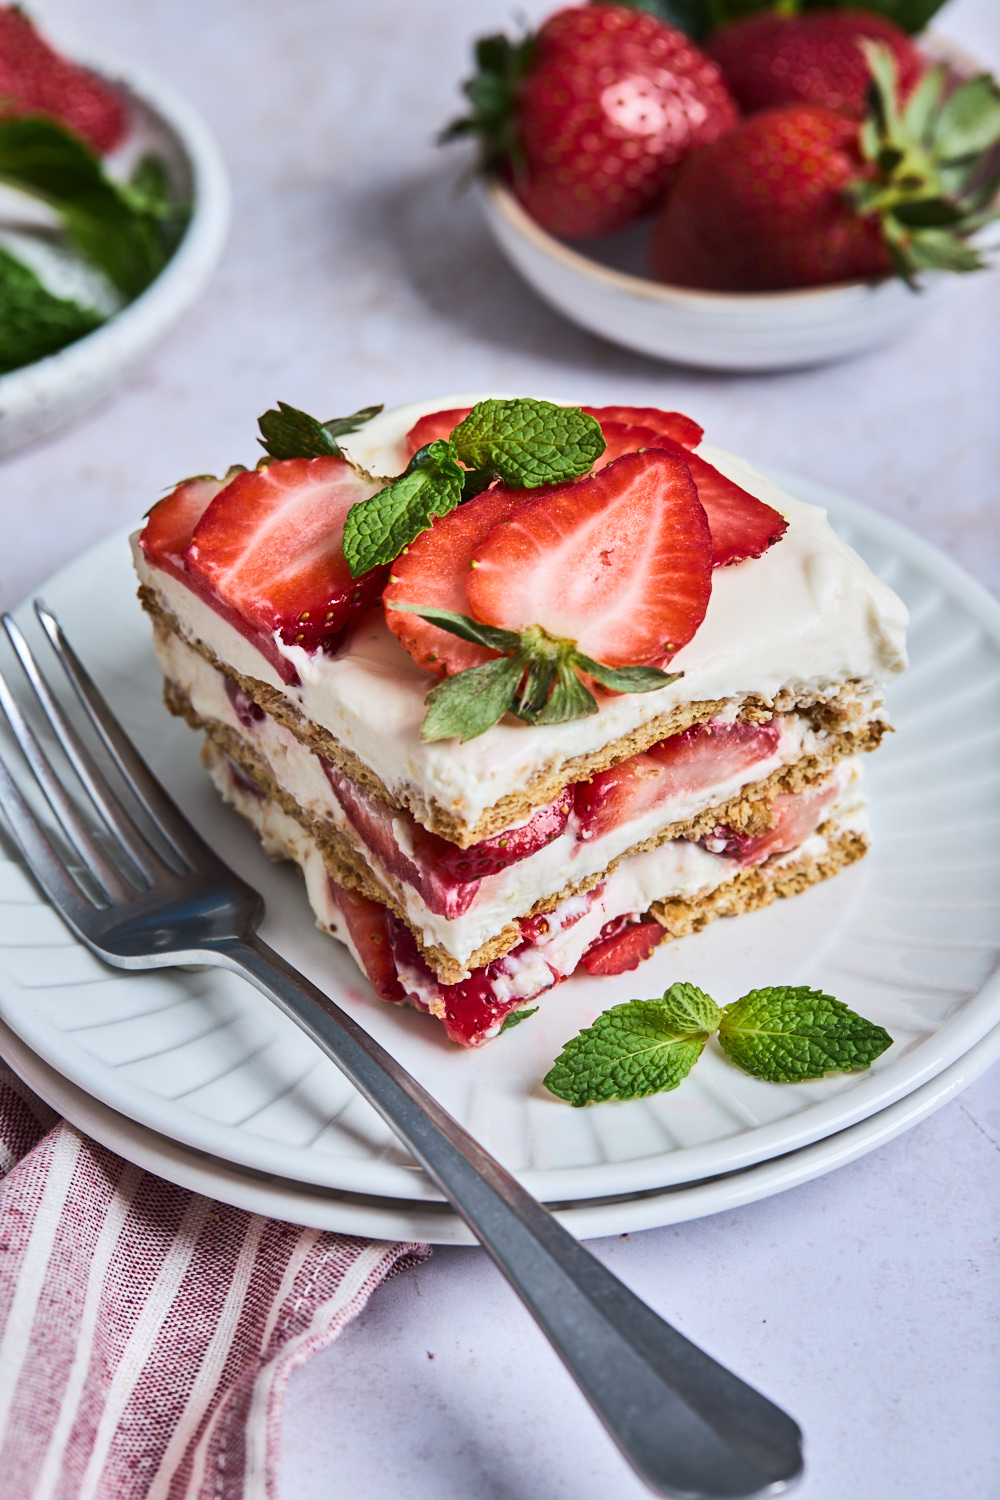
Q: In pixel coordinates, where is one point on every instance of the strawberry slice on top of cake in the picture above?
(562, 684)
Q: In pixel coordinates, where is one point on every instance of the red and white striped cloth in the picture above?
(147, 1334)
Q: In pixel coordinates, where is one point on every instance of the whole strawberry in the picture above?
(814, 58)
(591, 116)
(804, 196)
(36, 80)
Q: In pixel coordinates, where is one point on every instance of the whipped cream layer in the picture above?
(806, 617)
(569, 860)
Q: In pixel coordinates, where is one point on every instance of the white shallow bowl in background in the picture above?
(45, 395)
(713, 330)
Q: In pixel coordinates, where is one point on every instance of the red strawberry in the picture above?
(741, 525)
(796, 817)
(369, 925)
(624, 949)
(621, 438)
(766, 208)
(433, 570)
(593, 114)
(268, 549)
(171, 522)
(814, 58)
(669, 424)
(620, 563)
(695, 760)
(34, 79)
(437, 424)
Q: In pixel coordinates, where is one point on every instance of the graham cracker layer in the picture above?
(845, 714)
(750, 811)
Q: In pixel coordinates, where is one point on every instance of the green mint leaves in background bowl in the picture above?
(98, 258)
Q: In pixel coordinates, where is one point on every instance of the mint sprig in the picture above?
(787, 1035)
(516, 1017)
(522, 442)
(287, 432)
(783, 1034)
(536, 679)
(128, 230)
(639, 1048)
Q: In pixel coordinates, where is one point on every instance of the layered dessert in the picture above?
(515, 710)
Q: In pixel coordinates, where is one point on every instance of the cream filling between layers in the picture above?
(675, 871)
(806, 617)
(500, 898)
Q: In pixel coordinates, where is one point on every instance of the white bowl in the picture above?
(40, 397)
(713, 330)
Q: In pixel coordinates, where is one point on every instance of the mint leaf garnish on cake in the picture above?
(786, 1035)
(524, 443)
(783, 1034)
(639, 1048)
(287, 432)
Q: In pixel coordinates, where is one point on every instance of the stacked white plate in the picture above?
(196, 1077)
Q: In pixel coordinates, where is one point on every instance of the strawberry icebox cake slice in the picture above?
(520, 687)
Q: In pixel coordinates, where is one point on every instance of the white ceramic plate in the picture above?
(354, 1213)
(41, 397)
(910, 937)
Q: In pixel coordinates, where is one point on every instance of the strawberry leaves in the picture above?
(927, 185)
(783, 1034)
(524, 443)
(536, 679)
(290, 433)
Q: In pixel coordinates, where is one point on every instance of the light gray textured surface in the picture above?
(866, 1301)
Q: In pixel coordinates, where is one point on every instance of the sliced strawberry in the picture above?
(170, 524)
(624, 950)
(704, 756)
(620, 563)
(433, 570)
(796, 818)
(34, 79)
(369, 925)
(741, 525)
(437, 424)
(268, 549)
(671, 424)
(446, 876)
(472, 1010)
(623, 437)
(490, 856)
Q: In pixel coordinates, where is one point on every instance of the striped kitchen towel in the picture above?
(147, 1334)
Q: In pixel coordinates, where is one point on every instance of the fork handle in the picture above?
(689, 1427)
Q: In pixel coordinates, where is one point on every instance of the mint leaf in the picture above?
(642, 1047)
(34, 322)
(528, 443)
(515, 1018)
(129, 232)
(377, 530)
(786, 1035)
(472, 701)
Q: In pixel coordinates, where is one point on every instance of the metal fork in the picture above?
(143, 899)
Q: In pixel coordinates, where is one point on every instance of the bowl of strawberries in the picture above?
(785, 186)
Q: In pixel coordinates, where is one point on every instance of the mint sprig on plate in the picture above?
(536, 679)
(524, 443)
(783, 1034)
